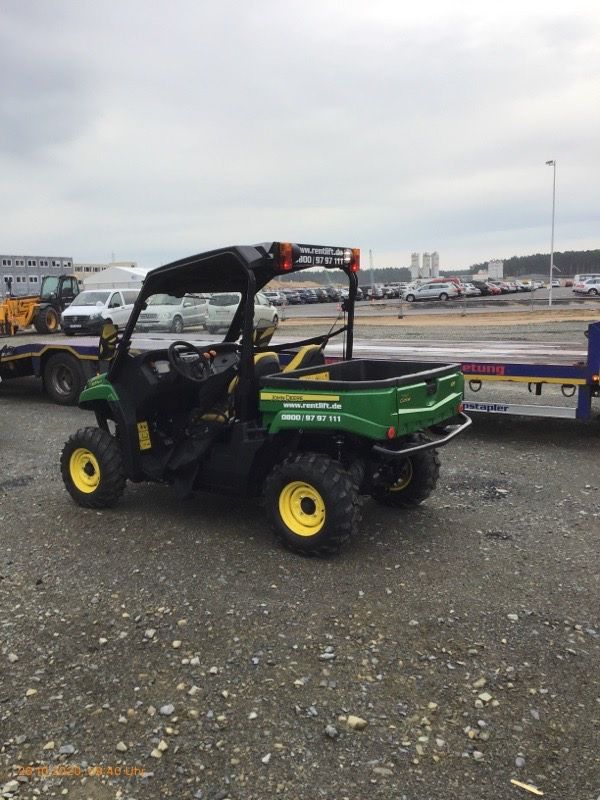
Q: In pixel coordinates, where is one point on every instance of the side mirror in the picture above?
(108, 342)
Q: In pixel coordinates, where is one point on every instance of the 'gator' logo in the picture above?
(483, 369)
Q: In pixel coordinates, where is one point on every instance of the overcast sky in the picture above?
(159, 129)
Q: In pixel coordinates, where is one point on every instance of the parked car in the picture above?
(471, 290)
(431, 291)
(164, 312)
(495, 290)
(275, 298)
(502, 285)
(591, 286)
(292, 297)
(372, 292)
(222, 307)
(584, 276)
(307, 296)
(483, 287)
(322, 296)
(555, 283)
(333, 295)
(92, 308)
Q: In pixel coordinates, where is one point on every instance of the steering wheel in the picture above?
(189, 362)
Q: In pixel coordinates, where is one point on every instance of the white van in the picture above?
(92, 308)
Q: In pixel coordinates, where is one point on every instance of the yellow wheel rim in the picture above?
(404, 478)
(84, 470)
(302, 508)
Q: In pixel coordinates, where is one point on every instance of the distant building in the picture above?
(415, 265)
(495, 270)
(25, 273)
(426, 270)
(429, 267)
(83, 270)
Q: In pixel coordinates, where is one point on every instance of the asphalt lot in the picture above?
(466, 632)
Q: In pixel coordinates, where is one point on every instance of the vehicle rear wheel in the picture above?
(47, 320)
(443, 296)
(313, 504)
(92, 468)
(410, 298)
(593, 291)
(412, 482)
(177, 325)
(63, 379)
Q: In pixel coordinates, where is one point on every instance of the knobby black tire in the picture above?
(339, 494)
(65, 392)
(47, 320)
(425, 473)
(108, 454)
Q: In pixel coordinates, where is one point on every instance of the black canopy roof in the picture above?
(227, 268)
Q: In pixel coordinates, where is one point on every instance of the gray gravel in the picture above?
(465, 633)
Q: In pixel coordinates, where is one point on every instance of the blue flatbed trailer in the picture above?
(65, 364)
(573, 367)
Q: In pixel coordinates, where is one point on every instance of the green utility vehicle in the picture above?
(247, 417)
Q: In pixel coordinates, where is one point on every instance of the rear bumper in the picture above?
(449, 432)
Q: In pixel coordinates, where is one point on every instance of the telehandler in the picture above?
(43, 310)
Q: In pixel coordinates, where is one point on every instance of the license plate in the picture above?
(74, 326)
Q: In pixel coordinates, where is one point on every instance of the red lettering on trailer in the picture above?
(483, 369)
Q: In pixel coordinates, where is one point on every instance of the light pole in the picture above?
(552, 163)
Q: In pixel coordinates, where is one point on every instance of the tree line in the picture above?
(569, 262)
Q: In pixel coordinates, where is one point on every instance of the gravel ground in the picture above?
(175, 638)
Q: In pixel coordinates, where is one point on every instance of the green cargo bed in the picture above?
(380, 400)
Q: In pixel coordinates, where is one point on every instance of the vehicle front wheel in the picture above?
(443, 296)
(410, 298)
(47, 320)
(411, 482)
(92, 468)
(313, 504)
(275, 320)
(177, 325)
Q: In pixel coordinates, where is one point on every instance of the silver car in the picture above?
(430, 291)
(223, 305)
(164, 312)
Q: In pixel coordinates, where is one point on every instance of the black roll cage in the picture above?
(243, 269)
